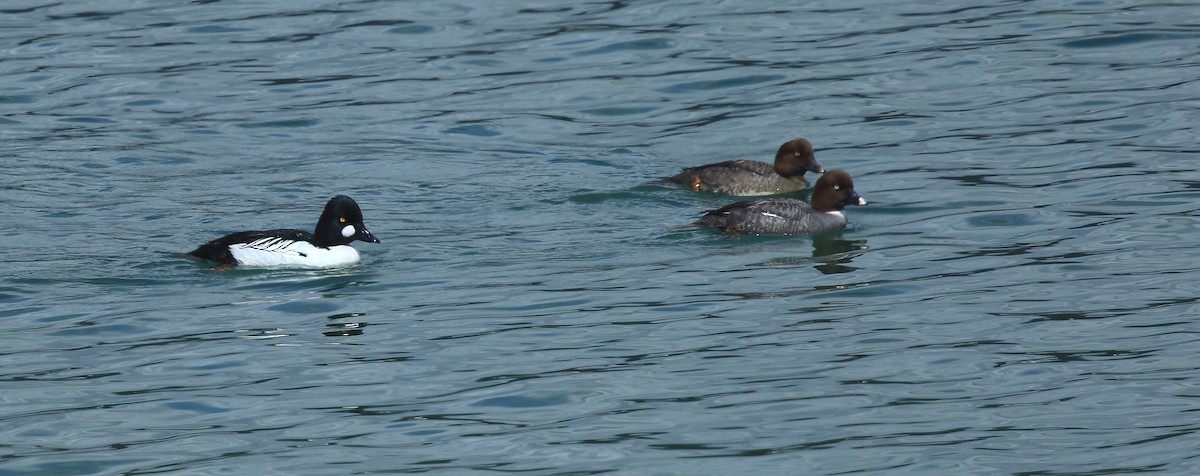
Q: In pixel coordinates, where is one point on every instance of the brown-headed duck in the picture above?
(785, 216)
(751, 177)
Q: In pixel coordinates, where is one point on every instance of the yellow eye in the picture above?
(797, 153)
(342, 220)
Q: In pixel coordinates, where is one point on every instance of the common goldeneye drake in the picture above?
(751, 177)
(327, 246)
(785, 216)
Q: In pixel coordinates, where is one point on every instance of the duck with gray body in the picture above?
(785, 216)
(751, 177)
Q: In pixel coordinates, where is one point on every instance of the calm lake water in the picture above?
(1020, 297)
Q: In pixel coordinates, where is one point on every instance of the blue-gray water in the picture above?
(1021, 297)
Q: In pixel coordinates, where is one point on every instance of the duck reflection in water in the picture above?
(832, 253)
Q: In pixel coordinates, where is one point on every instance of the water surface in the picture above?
(1019, 298)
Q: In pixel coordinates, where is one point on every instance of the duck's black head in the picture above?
(341, 223)
(796, 157)
(834, 191)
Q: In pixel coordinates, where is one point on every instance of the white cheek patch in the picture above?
(347, 231)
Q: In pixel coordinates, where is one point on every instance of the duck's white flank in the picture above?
(276, 252)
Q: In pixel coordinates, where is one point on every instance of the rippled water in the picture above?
(1019, 298)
